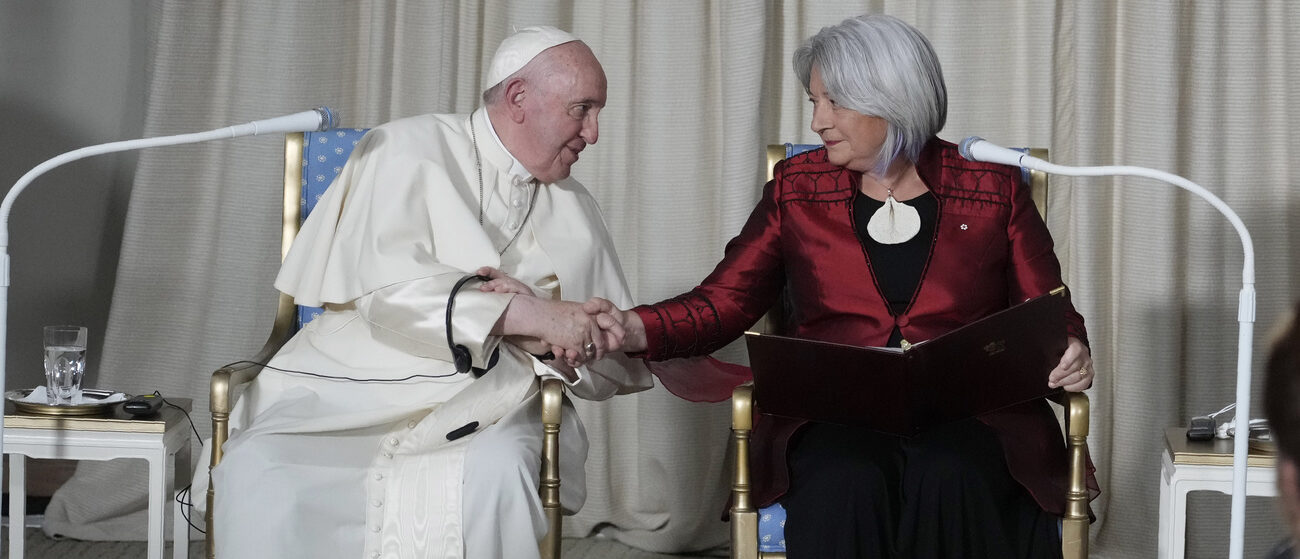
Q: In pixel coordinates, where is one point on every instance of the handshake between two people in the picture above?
(572, 333)
(577, 333)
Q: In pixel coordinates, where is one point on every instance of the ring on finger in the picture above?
(1083, 372)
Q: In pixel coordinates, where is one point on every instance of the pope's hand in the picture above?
(501, 283)
(575, 336)
(583, 337)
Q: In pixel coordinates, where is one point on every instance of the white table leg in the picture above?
(180, 530)
(157, 502)
(1164, 542)
(17, 505)
(1178, 516)
(176, 477)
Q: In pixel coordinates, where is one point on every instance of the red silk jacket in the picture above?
(991, 250)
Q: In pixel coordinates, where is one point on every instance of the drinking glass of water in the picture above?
(65, 363)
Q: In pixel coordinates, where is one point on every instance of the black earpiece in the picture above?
(460, 355)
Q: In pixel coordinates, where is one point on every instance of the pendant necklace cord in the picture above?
(478, 165)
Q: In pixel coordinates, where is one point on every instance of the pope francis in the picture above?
(350, 443)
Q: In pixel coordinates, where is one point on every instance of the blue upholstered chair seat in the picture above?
(771, 529)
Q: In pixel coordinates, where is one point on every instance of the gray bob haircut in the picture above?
(880, 66)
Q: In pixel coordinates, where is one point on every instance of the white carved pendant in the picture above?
(894, 223)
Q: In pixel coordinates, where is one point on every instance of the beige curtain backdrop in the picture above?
(1203, 90)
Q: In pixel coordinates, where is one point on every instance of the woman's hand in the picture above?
(1074, 372)
(633, 339)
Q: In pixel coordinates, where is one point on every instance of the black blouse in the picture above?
(897, 267)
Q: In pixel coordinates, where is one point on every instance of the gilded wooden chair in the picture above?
(311, 161)
(759, 533)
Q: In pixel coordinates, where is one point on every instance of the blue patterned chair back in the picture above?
(323, 156)
(793, 149)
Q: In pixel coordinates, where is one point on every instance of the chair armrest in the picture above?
(744, 517)
(221, 399)
(226, 379)
(1077, 410)
(742, 407)
(1074, 526)
(552, 413)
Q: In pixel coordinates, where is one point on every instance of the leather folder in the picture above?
(1000, 360)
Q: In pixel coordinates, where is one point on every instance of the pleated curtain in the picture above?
(696, 89)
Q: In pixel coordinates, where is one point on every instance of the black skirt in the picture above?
(945, 493)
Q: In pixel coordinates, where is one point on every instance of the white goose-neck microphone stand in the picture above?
(978, 149)
(320, 118)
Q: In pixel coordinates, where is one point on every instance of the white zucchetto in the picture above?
(517, 50)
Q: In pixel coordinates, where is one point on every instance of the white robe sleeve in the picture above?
(603, 379)
(411, 316)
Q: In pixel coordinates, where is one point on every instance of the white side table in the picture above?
(163, 441)
(1202, 466)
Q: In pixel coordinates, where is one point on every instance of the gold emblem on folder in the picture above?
(995, 347)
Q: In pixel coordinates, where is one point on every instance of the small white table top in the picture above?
(163, 440)
(1214, 452)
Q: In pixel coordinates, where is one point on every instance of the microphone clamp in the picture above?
(328, 118)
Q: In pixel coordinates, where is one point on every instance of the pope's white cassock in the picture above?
(326, 467)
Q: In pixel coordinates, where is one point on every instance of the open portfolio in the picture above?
(1000, 360)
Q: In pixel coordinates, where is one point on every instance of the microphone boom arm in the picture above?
(1247, 246)
(324, 118)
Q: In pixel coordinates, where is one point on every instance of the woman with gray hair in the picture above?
(885, 235)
